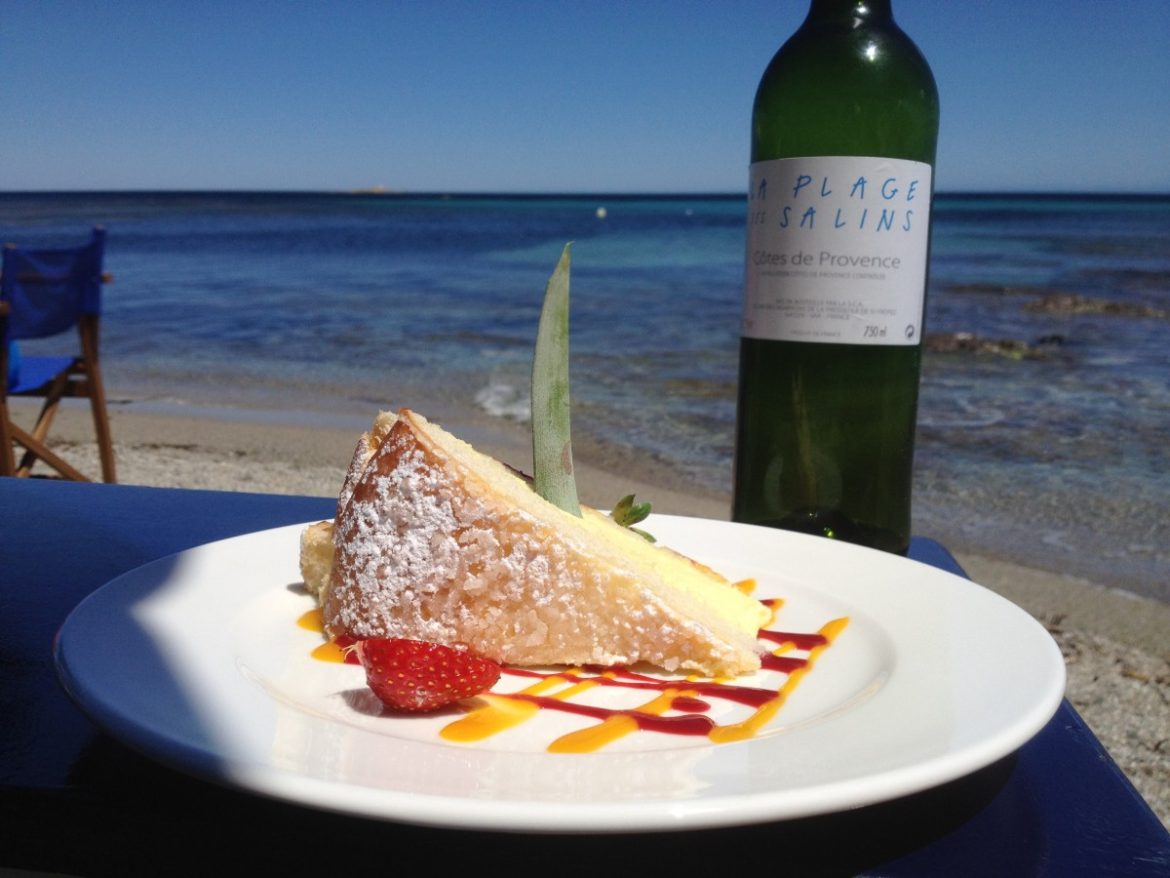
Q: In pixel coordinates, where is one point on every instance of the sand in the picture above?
(1116, 644)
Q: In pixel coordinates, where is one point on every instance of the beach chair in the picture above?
(46, 293)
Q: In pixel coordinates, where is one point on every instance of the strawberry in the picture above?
(416, 676)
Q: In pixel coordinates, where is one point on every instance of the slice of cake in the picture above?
(435, 541)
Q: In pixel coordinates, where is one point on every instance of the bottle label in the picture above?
(836, 250)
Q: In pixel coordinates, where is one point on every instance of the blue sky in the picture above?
(547, 95)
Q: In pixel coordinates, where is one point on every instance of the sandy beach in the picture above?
(1115, 642)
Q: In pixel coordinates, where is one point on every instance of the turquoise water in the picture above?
(337, 303)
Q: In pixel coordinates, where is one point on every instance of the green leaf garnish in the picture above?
(627, 513)
(552, 448)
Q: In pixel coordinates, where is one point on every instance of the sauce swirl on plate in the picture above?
(673, 705)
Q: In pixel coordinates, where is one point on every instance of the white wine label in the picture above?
(836, 250)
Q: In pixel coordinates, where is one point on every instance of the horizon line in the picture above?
(378, 192)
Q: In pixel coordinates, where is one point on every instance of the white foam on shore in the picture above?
(503, 400)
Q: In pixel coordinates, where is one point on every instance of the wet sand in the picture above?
(1115, 642)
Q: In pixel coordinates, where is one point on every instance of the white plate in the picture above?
(197, 661)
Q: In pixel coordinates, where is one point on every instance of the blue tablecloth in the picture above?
(74, 800)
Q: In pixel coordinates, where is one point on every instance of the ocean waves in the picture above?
(331, 301)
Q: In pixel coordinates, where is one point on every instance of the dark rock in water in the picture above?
(1067, 303)
(995, 289)
(969, 343)
(989, 289)
(1156, 280)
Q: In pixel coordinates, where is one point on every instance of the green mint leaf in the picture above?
(638, 512)
(621, 509)
(627, 513)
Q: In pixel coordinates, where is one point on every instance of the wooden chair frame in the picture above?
(82, 377)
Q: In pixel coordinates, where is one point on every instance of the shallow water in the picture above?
(339, 303)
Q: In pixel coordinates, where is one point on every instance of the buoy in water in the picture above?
(602, 213)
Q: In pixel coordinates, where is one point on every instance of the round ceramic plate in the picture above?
(197, 660)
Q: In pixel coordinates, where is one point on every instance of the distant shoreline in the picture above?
(407, 195)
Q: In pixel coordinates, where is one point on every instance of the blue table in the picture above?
(74, 800)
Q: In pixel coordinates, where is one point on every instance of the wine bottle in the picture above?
(844, 128)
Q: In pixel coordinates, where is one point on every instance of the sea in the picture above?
(1045, 404)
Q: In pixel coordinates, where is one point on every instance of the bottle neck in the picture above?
(854, 12)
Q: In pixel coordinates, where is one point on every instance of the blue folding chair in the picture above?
(45, 293)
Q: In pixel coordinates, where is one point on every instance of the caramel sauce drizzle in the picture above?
(677, 707)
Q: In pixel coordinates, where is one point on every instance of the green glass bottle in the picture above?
(844, 129)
